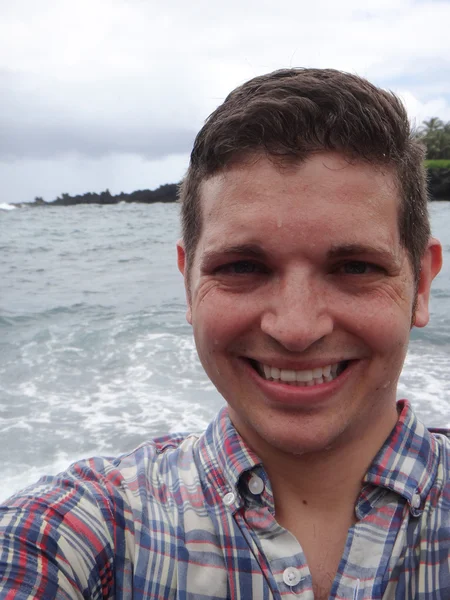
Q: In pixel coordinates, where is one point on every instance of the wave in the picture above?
(8, 318)
(4, 206)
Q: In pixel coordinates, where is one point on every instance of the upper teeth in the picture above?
(289, 375)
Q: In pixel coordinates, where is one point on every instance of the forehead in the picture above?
(326, 195)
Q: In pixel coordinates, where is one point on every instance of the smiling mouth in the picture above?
(305, 378)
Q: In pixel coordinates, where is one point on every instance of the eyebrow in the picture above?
(248, 250)
(347, 250)
(335, 252)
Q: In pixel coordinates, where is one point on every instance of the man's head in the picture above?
(306, 256)
(293, 113)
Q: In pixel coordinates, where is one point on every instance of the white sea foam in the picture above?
(425, 381)
(4, 206)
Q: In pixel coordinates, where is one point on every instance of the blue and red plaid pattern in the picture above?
(175, 519)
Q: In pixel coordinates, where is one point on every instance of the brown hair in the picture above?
(291, 113)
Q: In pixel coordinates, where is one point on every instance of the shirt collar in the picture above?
(223, 454)
(407, 462)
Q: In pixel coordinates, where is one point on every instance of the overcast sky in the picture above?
(100, 94)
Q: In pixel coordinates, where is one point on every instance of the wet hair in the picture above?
(292, 113)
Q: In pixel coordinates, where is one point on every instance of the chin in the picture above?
(289, 434)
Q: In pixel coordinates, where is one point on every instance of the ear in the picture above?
(181, 261)
(430, 266)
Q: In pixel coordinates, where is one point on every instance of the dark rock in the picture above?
(165, 193)
(439, 183)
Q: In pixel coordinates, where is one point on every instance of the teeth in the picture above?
(304, 376)
(308, 377)
(287, 375)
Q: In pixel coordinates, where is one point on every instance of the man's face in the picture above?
(301, 300)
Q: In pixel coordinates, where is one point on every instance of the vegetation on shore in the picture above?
(435, 134)
(165, 193)
(438, 164)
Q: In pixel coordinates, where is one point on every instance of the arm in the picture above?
(56, 539)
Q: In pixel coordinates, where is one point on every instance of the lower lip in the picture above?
(308, 396)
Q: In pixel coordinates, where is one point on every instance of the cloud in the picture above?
(94, 80)
(421, 111)
(40, 118)
(75, 174)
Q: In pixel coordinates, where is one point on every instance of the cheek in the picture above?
(377, 313)
(220, 325)
(386, 332)
(223, 312)
(214, 330)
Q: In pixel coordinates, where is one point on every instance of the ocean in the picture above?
(95, 352)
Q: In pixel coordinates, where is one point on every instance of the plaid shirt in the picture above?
(176, 518)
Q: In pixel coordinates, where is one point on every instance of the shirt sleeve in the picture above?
(58, 538)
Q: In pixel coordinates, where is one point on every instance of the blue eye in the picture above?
(243, 267)
(240, 267)
(356, 267)
(361, 267)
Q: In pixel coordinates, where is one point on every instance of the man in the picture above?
(307, 259)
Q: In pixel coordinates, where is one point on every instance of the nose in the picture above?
(298, 313)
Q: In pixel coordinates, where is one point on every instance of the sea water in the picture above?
(95, 352)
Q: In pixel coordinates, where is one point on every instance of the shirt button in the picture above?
(415, 501)
(291, 576)
(256, 485)
(229, 498)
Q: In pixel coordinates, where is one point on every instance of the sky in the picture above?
(109, 94)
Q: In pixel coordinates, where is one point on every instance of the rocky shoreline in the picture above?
(439, 183)
(165, 193)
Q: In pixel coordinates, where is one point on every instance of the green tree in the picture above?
(436, 136)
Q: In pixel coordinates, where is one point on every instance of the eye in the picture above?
(240, 267)
(359, 267)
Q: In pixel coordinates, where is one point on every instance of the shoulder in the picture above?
(152, 470)
(433, 526)
(442, 481)
(101, 477)
(103, 487)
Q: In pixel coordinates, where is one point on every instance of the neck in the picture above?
(311, 479)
